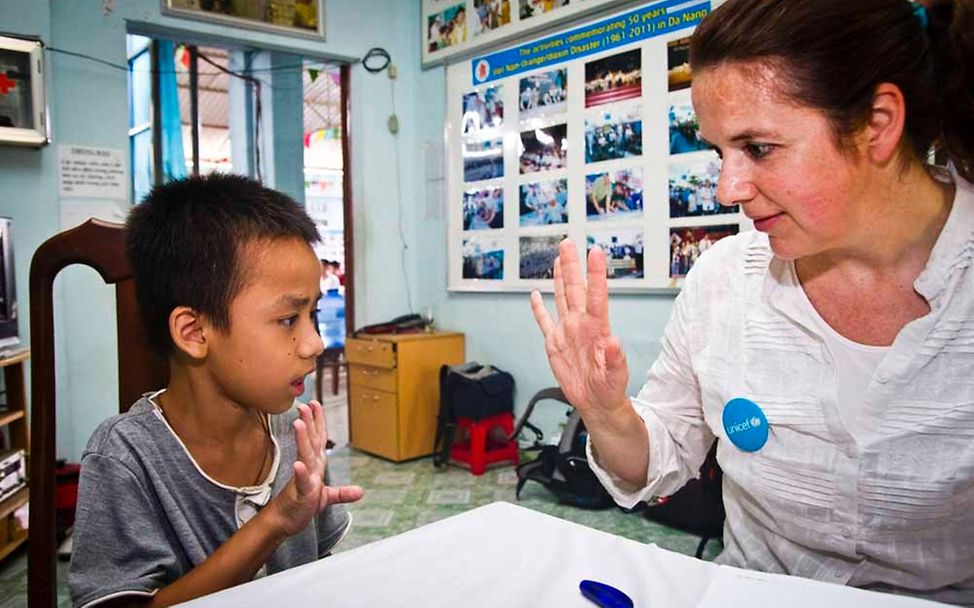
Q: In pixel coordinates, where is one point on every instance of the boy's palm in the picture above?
(307, 495)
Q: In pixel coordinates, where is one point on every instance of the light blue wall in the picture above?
(88, 104)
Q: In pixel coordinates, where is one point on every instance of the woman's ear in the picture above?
(187, 330)
(884, 131)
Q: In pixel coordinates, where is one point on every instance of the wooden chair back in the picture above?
(100, 245)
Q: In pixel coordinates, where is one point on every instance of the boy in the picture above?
(204, 485)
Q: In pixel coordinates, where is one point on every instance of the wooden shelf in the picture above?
(9, 548)
(14, 418)
(9, 417)
(16, 358)
(13, 503)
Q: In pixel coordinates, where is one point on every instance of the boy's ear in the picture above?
(886, 124)
(186, 328)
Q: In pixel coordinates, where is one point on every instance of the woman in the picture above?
(845, 321)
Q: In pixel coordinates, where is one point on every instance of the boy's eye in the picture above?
(758, 150)
(314, 316)
(289, 321)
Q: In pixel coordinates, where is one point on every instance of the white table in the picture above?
(502, 555)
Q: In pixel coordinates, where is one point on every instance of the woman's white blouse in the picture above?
(896, 510)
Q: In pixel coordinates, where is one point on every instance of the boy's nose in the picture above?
(311, 344)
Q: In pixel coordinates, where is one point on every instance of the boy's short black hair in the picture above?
(184, 243)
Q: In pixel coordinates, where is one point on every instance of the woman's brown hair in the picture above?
(832, 54)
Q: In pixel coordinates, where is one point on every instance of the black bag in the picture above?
(472, 391)
(697, 507)
(562, 468)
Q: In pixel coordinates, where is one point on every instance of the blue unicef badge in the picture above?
(745, 424)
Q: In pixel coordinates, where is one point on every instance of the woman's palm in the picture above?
(585, 357)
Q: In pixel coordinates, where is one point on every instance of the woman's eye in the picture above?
(314, 316)
(758, 150)
(289, 321)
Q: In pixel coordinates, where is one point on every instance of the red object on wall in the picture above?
(66, 491)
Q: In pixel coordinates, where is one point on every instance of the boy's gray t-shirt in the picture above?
(147, 515)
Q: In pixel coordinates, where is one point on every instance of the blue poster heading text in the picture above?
(633, 26)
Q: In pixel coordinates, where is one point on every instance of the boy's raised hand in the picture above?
(306, 494)
(586, 358)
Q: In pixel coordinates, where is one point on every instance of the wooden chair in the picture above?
(334, 359)
(101, 246)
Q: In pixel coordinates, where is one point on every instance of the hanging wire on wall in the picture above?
(376, 60)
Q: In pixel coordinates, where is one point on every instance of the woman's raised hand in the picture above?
(586, 358)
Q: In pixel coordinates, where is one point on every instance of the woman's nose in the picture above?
(734, 185)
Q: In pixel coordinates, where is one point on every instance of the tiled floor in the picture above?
(403, 496)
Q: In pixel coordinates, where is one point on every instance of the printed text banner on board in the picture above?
(639, 24)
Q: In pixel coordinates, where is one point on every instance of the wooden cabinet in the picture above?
(394, 390)
(14, 419)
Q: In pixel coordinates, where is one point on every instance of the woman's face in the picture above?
(780, 161)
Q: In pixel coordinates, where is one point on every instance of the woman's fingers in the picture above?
(571, 273)
(598, 288)
(560, 304)
(541, 315)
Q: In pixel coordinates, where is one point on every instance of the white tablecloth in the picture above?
(502, 555)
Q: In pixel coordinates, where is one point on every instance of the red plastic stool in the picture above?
(480, 450)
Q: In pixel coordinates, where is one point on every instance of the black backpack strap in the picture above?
(547, 393)
(445, 425)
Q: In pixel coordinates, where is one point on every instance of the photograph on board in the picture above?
(483, 159)
(678, 74)
(613, 78)
(684, 128)
(623, 249)
(293, 16)
(543, 203)
(611, 134)
(688, 243)
(612, 195)
(543, 94)
(491, 14)
(447, 28)
(483, 209)
(693, 188)
(538, 255)
(530, 8)
(543, 149)
(482, 110)
(483, 258)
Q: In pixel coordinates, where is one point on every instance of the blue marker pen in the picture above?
(605, 596)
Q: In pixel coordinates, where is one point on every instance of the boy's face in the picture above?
(272, 343)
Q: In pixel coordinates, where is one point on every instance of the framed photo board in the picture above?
(23, 107)
(453, 28)
(599, 144)
(294, 17)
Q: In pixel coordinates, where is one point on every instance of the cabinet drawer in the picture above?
(370, 352)
(379, 378)
(374, 421)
